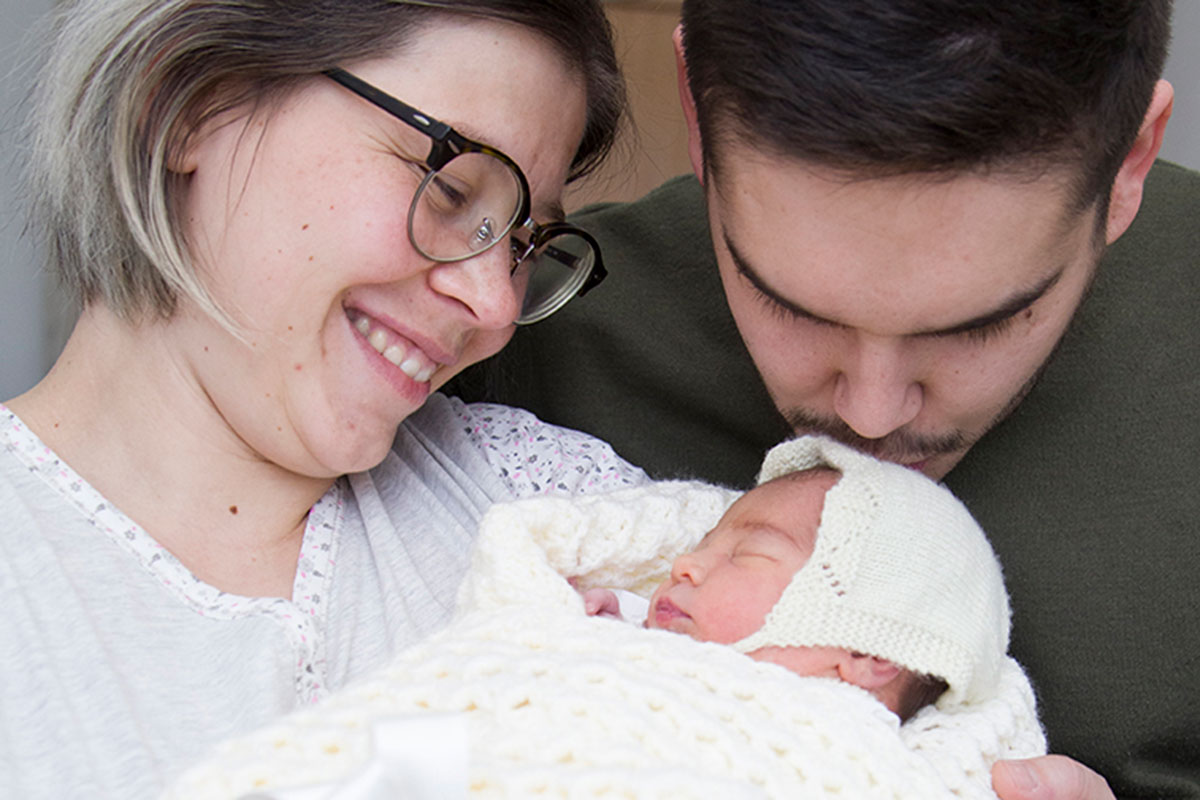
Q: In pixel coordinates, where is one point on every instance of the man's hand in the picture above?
(1048, 778)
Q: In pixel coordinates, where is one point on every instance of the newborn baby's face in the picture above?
(722, 591)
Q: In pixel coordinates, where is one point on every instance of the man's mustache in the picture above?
(899, 445)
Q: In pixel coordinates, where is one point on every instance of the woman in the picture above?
(235, 491)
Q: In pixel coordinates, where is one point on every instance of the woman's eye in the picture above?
(446, 195)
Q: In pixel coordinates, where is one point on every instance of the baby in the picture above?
(723, 590)
(845, 580)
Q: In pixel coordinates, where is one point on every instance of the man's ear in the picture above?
(1126, 195)
(867, 672)
(695, 151)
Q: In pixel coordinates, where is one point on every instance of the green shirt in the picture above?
(1089, 490)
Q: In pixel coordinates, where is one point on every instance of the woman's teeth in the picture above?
(396, 353)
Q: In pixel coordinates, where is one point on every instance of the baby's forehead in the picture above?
(790, 504)
(807, 485)
(823, 475)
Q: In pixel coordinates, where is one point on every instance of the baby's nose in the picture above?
(688, 567)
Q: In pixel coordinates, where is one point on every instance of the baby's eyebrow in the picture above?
(775, 532)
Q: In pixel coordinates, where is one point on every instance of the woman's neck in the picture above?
(128, 415)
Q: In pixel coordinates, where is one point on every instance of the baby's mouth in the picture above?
(403, 354)
(666, 612)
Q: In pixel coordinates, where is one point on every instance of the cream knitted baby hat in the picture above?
(900, 570)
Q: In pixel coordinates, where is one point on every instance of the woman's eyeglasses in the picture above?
(474, 196)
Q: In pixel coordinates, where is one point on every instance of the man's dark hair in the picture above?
(874, 88)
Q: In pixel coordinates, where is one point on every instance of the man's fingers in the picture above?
(1048, 778)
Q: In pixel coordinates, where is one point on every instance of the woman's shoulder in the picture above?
(530, 456)
(32, 477)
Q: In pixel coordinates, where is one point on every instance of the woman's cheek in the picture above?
(483, 344)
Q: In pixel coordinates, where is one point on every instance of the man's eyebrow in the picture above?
(1013, 306)
(746, 271)
(1010, 308)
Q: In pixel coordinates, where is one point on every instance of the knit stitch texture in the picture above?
(565, 705)
(900, 570)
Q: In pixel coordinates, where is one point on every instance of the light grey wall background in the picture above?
(23, 354)
(1182, 142)
(32, 319)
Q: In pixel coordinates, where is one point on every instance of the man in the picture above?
(899, 208)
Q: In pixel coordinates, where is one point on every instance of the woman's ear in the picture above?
(181, 159)
(695, 151)
(186, 149)
(867, 672)
(1126, 196)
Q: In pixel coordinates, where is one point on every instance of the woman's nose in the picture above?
(878, 389)
(483, 284)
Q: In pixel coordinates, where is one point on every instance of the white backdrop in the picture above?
(31, 324)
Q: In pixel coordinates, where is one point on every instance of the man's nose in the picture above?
(483, 284)
(878, 388)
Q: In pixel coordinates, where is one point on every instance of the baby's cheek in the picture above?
(738, 623)
(754, 613)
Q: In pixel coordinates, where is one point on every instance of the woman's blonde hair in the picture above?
(126, 82)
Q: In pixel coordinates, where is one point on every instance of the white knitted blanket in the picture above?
(560, 704)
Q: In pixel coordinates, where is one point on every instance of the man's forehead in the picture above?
(1002, 306)
(936, 254)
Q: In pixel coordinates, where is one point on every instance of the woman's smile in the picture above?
(320, 222)
(402, 353)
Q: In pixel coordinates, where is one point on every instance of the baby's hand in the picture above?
(601, 603)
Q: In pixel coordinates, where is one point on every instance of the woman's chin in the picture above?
(366, 456)
(342, 449)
